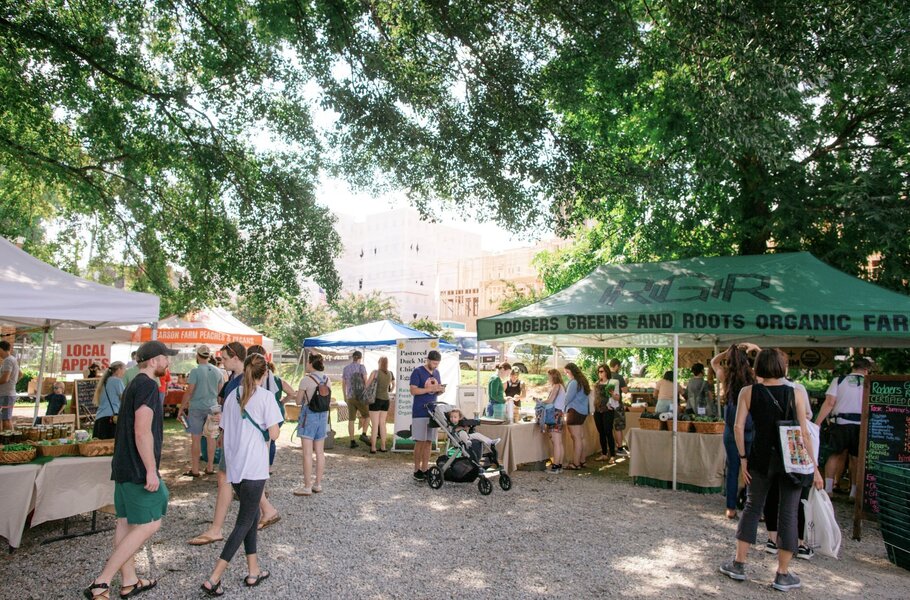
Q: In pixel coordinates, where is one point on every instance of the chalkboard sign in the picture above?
(84, 399)
(883, 436)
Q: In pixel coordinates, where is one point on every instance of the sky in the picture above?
(345, 201)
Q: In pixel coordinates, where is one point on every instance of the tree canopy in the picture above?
(185, 131)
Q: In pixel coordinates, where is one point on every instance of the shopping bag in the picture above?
(822, 532)
(795, 450)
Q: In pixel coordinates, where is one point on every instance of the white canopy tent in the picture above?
(35, 294)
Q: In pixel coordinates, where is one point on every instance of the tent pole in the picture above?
(155, 330)
(47, 325)
(675, 399)
(716, 385)
(481, 410)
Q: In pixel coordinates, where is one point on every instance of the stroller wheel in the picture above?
(434, 478)
(505, 482)
(485, 487)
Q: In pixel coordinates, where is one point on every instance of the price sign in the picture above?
(84, 399)
(883, 436)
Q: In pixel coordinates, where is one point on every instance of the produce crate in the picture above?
(898, 556)
(58, 450)
(681, 426)
(17, 457)
(651, 424)
(892, 471)
(96, 448)
(713, 428)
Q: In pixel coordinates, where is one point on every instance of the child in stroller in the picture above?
(462, 428)
(471, 455)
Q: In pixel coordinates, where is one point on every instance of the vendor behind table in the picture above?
(663, 391)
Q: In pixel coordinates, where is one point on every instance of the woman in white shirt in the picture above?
(249, 419)
(557, 398)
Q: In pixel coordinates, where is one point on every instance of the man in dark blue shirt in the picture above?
(426, 385)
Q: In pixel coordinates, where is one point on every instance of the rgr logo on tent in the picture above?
(687, 288)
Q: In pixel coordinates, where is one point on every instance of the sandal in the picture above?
(90, 594)
(213, 589)
(191, 474)
(571, 467)
(253, 581)
(270, 521)
(141, 585)
(204, 540)
(212, 472)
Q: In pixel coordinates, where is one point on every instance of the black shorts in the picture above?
(379, 405)
(844, 437)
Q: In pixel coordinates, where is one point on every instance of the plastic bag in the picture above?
(822, 531)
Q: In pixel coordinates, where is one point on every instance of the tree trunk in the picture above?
(755, 206)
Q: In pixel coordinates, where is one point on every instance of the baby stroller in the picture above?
(464, 463)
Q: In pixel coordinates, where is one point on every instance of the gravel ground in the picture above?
(375, 533)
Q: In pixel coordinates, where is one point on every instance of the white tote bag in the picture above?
(795, 450)
(822, 532)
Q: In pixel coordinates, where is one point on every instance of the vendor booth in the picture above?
(775, 300)
(393, 340)
(43, 298)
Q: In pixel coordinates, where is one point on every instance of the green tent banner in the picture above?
(774, 299)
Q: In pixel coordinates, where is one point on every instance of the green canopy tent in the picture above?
(789, 299)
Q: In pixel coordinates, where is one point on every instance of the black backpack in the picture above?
(322, 397)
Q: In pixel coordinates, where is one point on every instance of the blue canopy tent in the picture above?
(377, 333)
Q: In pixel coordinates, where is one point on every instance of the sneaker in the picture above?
(363, 438)
(555, 469)
(622, 452)
(353, 444)
(734, 570)
(770, 547)
(804, 552)
(785, 582)
(496, 441)
(303, 491)
(317, 488)
(419, 475)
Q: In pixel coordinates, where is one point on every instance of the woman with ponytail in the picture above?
(107, 399)
(250, 421)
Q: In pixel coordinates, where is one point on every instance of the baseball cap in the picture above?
(434, 355)
(203, 351)
(150, 350)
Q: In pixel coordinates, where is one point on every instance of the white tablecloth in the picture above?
(71, 486)
(17, 486)
(524, 443)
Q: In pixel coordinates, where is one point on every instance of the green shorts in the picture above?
(138, 506)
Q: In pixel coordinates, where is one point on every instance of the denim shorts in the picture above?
(312, 425)
(195, 420)
(6, 407)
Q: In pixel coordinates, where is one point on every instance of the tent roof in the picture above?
(213, 326)
(773, 299)
(377, 333)
(35, 293)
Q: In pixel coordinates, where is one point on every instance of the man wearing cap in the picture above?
(200, 396)
(426, 385)
(140, 497)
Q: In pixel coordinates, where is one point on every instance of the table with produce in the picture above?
(700, 452)
(52, 472)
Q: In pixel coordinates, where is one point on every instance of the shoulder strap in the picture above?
(245, 416)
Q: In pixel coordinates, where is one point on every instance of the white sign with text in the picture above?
(409, 355)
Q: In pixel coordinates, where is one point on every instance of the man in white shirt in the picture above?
(9, 377)
(844, 402)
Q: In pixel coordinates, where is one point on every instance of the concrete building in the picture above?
(396, 253)
(474, 287)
